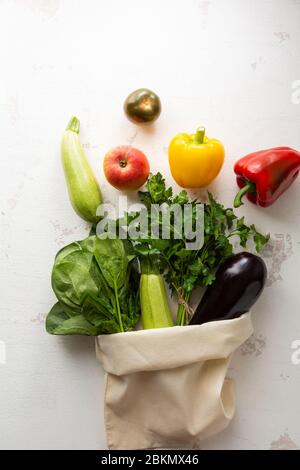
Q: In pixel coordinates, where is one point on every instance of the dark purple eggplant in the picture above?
(239, 282)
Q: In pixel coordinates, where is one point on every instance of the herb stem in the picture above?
(118, 308)
(234, 232)
(181, 318)
(180, 315)
(167, 260)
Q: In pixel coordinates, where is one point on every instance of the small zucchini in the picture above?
(156, 312)
(84, 191)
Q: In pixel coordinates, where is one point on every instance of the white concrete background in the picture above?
(228, 65)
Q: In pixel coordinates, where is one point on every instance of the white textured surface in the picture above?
(228, 65)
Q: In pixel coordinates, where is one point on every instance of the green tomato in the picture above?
(142, 106)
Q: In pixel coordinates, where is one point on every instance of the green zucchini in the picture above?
(83, 188)
(156, 312)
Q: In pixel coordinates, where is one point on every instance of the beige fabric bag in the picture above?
(166, 387)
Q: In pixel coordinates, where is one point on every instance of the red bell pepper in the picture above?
(266, 174)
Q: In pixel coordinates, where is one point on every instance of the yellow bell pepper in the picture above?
(195, 160)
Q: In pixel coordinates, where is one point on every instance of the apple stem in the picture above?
(122, 163)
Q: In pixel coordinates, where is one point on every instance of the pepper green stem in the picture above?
(248, 188)
(199, 136)
(74, 125)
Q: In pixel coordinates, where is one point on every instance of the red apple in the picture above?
(126, 167)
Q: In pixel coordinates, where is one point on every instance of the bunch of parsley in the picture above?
(183, 268)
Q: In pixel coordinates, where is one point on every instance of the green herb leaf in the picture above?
(181, 198)
(186, 269)
(260, 240)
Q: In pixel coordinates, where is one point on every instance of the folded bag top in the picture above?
(168, 348)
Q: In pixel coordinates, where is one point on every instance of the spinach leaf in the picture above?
(98, 313)
(71, 279)
(96, 282)
(56, 317)
(87, 244)
(112, 260)
(59, 322)
(66, 250)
